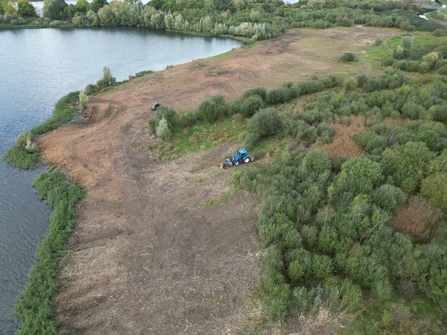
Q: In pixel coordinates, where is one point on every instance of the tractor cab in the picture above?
(241, 155)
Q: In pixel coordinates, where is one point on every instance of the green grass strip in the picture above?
(220, 200)
(35, 307)
(63, 112)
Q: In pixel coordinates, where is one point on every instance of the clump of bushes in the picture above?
(267, 122)
(347, 57)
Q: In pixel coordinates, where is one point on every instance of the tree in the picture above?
(406, 165)
(251, 105)
(25, 8)
(358, 175)
(54, 9)
(434, 189)
(96, 5)
(162, 130)
(81, 6)
(83, 100)
(107, 78)
(267, 122)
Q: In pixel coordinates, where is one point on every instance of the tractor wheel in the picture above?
(246, 159)
(236, 163)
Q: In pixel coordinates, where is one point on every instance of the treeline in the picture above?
(251, 19)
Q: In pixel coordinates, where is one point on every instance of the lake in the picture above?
(39, 66)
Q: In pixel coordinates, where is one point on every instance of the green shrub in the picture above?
(439, 164)
(91, 88)
(142, 73)
(187, 119)
(21, 158)
(389, 197)
(235, 107)
(309, 87)
(162, 129)
(325, 133)
(83, 100)
(442, 70)
(169, 114)
(251, 105)
(321, 266)
(358, 175)
(317, 162)
(406, 165)
(267, 122)
(387, 61)
(277, 95)
(347, 57)
(208, 111)
(152, 124)
(261, 91)
(434, 189)
(351, 295)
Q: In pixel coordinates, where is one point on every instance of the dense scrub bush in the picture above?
(389, 197)
(347, 57)
(167, 113)
(325, 133)
(162, 129)
(187, 119)
(430, 272)
(309, 87)
(210, 110)
(251, 105)
(407, 65)
(107, 78)
(277, 95)
(261, 91)
(406, 165)
(439, 164)
(83, 100)
(434, 189)
(267, 122)
(358, 175)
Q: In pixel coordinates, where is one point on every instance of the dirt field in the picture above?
(146, 257)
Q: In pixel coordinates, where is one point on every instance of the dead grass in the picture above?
(394, 122)
(343, 144)
(417, 219)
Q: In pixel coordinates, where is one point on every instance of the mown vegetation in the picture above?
(35, 307)
(364, 236)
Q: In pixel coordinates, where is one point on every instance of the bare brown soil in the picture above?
(146, 257)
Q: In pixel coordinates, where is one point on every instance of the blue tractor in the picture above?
(241, 155)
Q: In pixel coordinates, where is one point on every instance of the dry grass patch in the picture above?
(417, 219)
(343, 144)
(394, 122)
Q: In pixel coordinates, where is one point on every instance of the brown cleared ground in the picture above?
(146, 257)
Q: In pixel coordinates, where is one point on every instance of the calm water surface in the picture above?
(37, 67)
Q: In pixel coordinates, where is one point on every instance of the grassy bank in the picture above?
(25, 155)
(35, 307)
